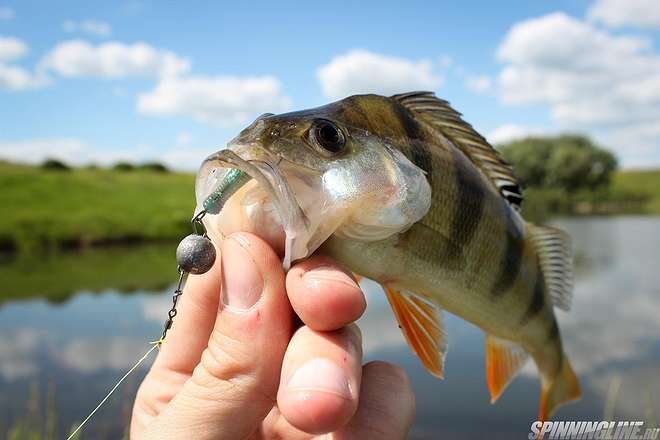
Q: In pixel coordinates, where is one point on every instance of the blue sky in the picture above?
(139, 80)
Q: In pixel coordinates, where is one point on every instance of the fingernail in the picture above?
(323, 274)
(242, 283)
(320, 374)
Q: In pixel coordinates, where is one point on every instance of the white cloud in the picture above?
(186, 159)
(613, 262)
(478, 83)
(360, 71)
(92, 27)
(13, 77)
(643, 13)
(88, 355)
(70, 150)
(591, 80)
(16, 78)
(77, 152)
(6, 13)
(511, 132)
(78, 58)
(220, 100)
(12, 48)
(17, 353)
(639, 143)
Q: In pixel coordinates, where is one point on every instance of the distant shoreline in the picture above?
(81, 208)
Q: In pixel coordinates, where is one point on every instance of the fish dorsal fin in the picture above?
(441, 116)
(504, 359)
(553, 248)
(421, 324)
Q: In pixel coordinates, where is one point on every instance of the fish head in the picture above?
(334, 169)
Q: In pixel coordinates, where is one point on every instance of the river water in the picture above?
(60, 351)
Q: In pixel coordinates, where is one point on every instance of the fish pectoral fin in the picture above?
(504, 359)
(421, 323)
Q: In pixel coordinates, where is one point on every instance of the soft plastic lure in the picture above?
(232, 182)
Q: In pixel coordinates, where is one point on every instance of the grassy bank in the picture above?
(44, 208)
(630, 192)
(645, 183)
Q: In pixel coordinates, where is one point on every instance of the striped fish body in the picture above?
(401, 190)
(470, 254)
(474, 256)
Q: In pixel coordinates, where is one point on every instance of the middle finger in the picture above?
(321, 376)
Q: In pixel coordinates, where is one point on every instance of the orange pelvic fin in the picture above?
(421, 324)
(504, 359)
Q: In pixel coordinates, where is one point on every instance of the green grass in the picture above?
(630, 192)
(643, 182)
(53, 208)
(49, 208)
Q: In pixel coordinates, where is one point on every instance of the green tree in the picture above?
(123, 166)
(154, 166)
(568, 162)
(54, 164)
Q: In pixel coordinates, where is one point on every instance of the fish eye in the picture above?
(328, 136)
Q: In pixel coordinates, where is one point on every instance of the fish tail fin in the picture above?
(563, 388)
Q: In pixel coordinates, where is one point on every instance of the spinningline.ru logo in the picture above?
(593, 430)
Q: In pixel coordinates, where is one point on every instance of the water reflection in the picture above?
(612, 337)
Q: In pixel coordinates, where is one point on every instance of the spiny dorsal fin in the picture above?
(440, 115)
(553, 247)
(504, 359)
(421, 324)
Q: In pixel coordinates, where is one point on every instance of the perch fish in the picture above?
(403, 191)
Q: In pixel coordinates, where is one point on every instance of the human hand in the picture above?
(237, 367)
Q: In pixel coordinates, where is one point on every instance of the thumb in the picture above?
(235, 384)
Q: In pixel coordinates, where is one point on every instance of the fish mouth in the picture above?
(270, 180)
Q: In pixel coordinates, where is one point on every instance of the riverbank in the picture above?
(78, 208)
(631, 192)
(81, 208)
(55, 276)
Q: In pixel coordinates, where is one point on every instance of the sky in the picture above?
(101, 82)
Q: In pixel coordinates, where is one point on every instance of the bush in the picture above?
(568, 162)
(123, 166)
(154, 166)
(562, 175)
(54, 164)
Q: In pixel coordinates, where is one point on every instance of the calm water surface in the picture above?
(59, 359)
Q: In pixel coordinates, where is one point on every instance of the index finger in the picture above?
(197, 310)
(185, 341)
(323, 294)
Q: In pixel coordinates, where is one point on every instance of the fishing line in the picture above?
(195, 254)
(156, 344)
